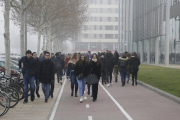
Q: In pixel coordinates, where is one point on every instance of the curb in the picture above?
(160, 92)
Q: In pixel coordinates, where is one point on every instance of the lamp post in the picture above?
(26, 25)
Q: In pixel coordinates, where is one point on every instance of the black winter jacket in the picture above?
(102, 65)
(134, 62)
(59, 62)
(79, 69)
(96, 69)
(109, 60)
(116, 60)
(46, 71)
(126, 63)
(71, 67)
(38, 65)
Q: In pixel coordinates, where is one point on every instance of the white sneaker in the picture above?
(108, 85)
(111, 83)
(81, 100)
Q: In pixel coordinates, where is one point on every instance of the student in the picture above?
(46, 75)
(134, 63)
(95, 65)
(29, 70)
(81, 68)
(116, 59)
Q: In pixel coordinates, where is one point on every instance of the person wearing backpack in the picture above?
(59, 62)
(134, 63)
(122, 65)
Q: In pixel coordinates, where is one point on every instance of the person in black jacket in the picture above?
(46, 75)
(59, 62)
(108, 64)
(122, 65)
(134, 63)
(71, 74)
(103, 69)
(116, 59)
(29, 70)
(95, 65)
(36, 75)
(81, 67)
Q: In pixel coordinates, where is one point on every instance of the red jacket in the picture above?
(66, 62)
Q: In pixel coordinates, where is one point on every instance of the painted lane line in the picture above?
(90, 118)
(57, 102)
(87, 105)
(85, 98)
(119, 106)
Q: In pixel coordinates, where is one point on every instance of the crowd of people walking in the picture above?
(80, 69)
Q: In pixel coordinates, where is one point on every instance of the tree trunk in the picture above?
(22, 49)
(7, 35)
(44, 39)
(39, 42)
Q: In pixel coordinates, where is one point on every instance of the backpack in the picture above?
(122, 63)
(58, 64)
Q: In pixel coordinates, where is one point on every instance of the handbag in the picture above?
(81, 76)
(92, 79)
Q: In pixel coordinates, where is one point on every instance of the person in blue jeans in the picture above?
(81, 68)
(29, 69)
(122, 65)
(71, 74)
(46, 75)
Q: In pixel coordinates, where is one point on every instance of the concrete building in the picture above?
(100, 33)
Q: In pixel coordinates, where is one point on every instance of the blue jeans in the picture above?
(123, 75)
(89, 86)
(45, 89)
(74, 82)
(81, 84)
(28, 79)
(127, 76)
(37, 86)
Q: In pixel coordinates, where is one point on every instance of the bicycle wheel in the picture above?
(13, 96)
(4, 104)
(19, 89)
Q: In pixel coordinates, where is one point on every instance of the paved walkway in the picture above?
(117, 103)
(37, 110)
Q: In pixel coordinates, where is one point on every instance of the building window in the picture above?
(85, 27)
(91, 10)
(95, 28)
(109, 10)
(94, 36)
(116, 19)
(100, 36)
(108, 36)
(109, 19)
(95, 10)
(100, 10)
(85, 35)
(117, 1)
(116, 27)
(109, 2)
(100, 19)
(116, 36)
(108, 27)
(95, 1)
(91, 1)
(91, 18)
(95, 18)
(116, 10)
(100, 1)
(100, 27)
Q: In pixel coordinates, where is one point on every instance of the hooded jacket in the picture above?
(126, 63)
(59, 62)
(108, 60)
(134, 62)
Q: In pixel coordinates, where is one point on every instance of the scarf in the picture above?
(95, 60)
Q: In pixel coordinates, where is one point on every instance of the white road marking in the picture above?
(57, 102)
(119, 106)
(87, 105)
(85, 98)
(90, 118)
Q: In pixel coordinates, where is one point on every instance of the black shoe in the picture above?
(136, 83)
(88, 93)
(46, 100)
(124, 83)
(51, 95)
(76, 95)
(116, 79)
(132, 84)
(38, 95)
(71, 93)
(128, 81)
(25, 101)
(94, 100)
(91, 95)
(32, 98)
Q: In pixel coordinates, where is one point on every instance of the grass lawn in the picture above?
(166, 79)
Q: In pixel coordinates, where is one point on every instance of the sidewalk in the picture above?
(37, 110)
